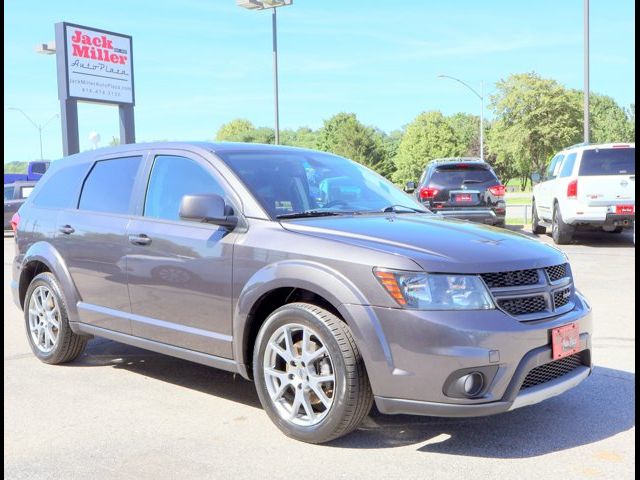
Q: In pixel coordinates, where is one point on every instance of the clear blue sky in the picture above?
(200, 63)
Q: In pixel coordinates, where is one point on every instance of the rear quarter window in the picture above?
(59, 187)
(608, 161)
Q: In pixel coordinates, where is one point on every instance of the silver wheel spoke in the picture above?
(299, 388)
(44, 317)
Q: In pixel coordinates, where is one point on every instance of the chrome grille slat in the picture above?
(551, 371)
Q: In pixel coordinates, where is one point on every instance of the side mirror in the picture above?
(535, 177)
(410, 188)
(207, 208)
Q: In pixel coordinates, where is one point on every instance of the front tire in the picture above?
(47, 322)
(560, 231)
(309, 374)
(535, 221)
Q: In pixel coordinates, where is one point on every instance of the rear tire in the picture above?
(47, 322)
(560, 231)
(287, 386)
(535, 221)
(615, 230)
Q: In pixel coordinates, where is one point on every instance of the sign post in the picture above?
(94, 66)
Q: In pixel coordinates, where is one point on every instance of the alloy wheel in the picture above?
(299, 375)
(44, 319)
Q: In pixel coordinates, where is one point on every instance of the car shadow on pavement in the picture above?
(211, 381)
(602, 406)
(596, 239)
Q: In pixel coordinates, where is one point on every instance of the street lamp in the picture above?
(481, 97)
(40, 127)
(273, 5)
(586, 72)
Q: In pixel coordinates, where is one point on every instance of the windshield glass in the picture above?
(289, 182)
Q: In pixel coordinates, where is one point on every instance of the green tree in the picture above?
(536, 117)
(343, 134)
(428, 137)
(608, 121)
(467, 133)
(15, 167)
(302, 137)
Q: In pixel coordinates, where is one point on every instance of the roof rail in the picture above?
(583, 144)
(456, 159)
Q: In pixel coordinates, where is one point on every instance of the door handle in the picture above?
(67, 229)
(141, 239)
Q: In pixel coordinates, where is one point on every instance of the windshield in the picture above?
(608, 161)
(289, 182)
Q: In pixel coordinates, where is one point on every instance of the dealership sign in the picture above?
(98, 65)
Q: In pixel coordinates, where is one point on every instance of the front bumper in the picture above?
(409, 356)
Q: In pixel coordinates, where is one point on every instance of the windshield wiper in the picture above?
(310, 213)
(472, 181)
(395, 208)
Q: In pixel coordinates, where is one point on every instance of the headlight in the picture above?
(430, 291)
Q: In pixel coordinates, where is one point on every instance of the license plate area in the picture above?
(565, 341)
(462, 198)
(625, 209)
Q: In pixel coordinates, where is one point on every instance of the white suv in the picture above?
(586, 186)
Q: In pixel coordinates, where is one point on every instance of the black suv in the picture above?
(465, 188)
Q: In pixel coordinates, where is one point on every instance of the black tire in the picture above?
(535, 221)
(560, 231)
(500, 223)
(68, 345)
(352, 397)
(615, 230)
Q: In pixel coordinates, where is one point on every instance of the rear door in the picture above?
(607, 176)
(462, 185)
(545, 191)
(180, 272)
(92, 237)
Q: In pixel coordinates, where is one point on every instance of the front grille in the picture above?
(557, 272)
(523, 305)
(553, 370)
(561, 297)
(511, 279)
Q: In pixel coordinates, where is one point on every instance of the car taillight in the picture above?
(428, 192)
(572, 189)
(497, 190)
(15, 221)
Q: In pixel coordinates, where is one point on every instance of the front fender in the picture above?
(326, 282)
(44, 252)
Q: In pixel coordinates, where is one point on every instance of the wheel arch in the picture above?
(41, 257)
(279, 284)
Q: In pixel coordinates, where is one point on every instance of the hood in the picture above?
(436, 244)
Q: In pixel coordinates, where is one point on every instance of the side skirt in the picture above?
(193, 356)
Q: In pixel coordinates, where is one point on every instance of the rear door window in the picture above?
(608, 161)
(453, 177)
(8, 193)
(109, 185)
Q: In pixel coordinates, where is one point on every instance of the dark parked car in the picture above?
(304, 271)
(464, 188)
(14, 196)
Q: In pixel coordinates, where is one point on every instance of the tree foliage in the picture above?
(428, 137)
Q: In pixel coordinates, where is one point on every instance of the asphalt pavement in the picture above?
(122, 412)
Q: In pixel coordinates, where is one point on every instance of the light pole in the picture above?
(481, 97)
(586, 71)
(40, 126)
(273, 5)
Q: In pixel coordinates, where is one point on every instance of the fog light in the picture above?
(473, 383)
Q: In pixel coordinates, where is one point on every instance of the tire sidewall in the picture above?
(296, 315)
(48, 280)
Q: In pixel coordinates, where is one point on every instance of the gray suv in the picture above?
(301, 270)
